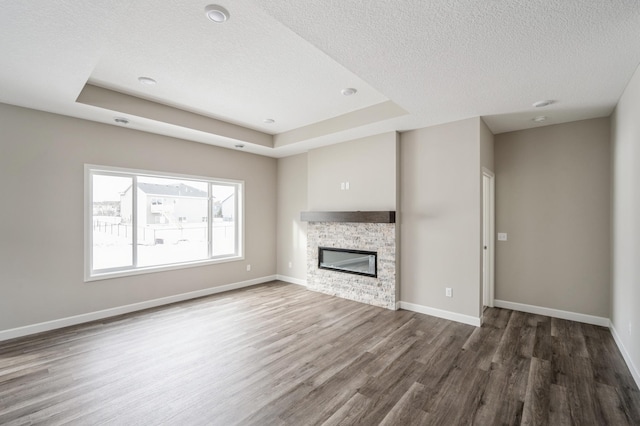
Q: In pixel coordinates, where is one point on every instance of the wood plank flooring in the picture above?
(278, 354)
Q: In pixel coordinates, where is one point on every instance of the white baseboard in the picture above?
(291, 280)
(556, 313)
(434, 312)
(111, 312)
(635, 372)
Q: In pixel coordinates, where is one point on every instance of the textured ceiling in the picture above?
(249, 69)
(444, 60)
(415, 64)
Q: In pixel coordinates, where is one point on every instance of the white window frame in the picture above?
(91, 275)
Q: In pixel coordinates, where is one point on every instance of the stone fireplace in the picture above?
(355, 232)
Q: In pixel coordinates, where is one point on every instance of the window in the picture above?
(139, 221)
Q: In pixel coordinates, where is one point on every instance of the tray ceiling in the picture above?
(414, 64)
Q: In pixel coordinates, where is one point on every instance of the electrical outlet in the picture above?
(248, 268)
(342, 185)
(448, 292)
(502, 236)
(346, 185)
(290, 265)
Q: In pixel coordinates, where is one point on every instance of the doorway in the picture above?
(488, 237)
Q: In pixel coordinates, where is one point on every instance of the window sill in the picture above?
(159, 268)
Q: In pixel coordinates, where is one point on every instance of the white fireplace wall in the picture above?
(369, 166)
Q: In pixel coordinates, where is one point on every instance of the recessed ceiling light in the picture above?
(147, 80)
(121, 120)
(349, 91)
(541, 104)
(217, 14)
(268, 121)
(240, 146)
(540, 119)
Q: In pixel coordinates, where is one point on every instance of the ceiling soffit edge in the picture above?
(132, 105)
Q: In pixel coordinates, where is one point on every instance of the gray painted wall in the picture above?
(368, 164)
(42, 232)
(292, 233)
(486, 147)
(552, 199)
(625, 288)
(440, 216)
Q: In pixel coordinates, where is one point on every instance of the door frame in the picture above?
(488, 237)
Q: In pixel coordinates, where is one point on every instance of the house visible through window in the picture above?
(141, 221)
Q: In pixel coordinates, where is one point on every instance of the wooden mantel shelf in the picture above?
(360, 217)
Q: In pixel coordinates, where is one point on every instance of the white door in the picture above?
(488, 219)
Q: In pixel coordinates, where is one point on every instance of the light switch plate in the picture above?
(502, 236)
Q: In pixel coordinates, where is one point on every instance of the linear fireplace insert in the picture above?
(357, 262)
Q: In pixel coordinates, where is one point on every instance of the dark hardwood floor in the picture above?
(279, 354)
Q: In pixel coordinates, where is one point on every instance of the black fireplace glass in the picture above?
(357, 262)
